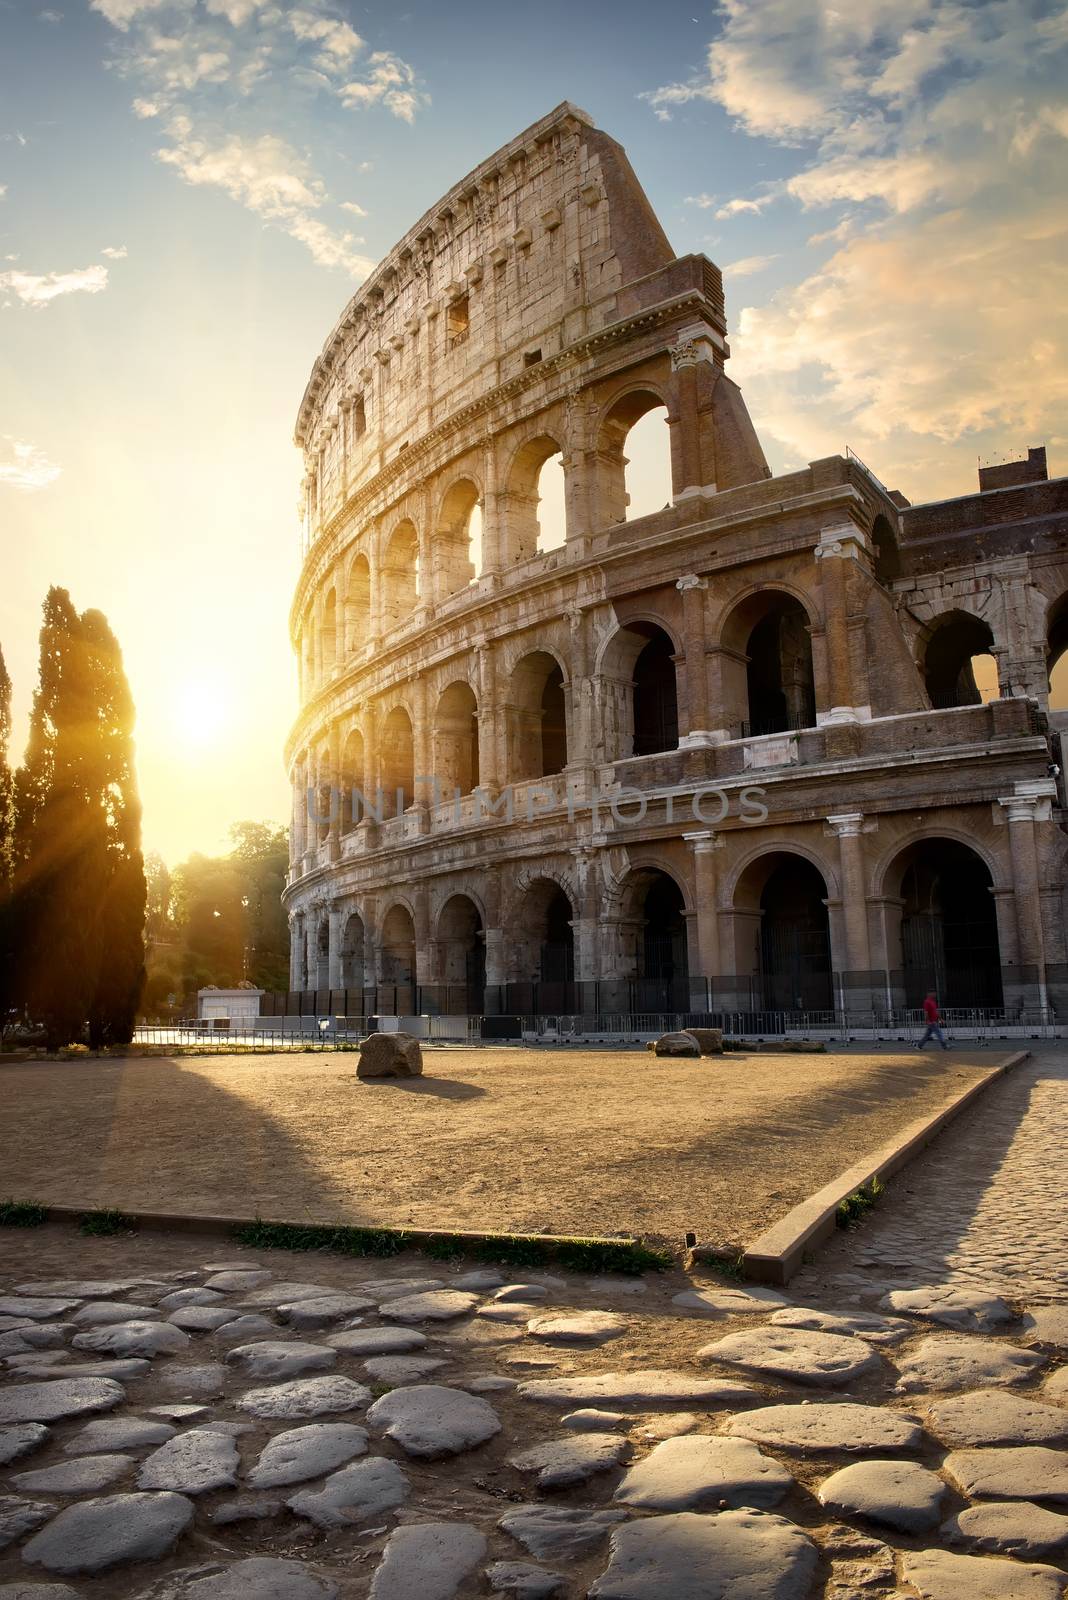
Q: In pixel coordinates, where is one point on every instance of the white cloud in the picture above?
(236, 12)
(115, 252)
(337, 43)
(748, 266)
(356, 210)
(390, 82)
(121, 13)
(145, 108)
(50, 16)
(27, 468)
(38, 289)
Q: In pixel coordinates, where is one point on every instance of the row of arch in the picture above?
(945, 939)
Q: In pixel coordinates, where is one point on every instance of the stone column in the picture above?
(333, 836)
(837, 547)
(1021, 813)
(422, 750)
(491, 513)
(585, 923)
(704, 846)
(848, 825)
(489, 762)
(693, 590)
(334, 915)
(296, 934)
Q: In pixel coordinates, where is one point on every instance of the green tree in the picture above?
(8, 987)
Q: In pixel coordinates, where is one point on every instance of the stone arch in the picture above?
(537, 717)
(951, 647)
(397, 955)
(322, 952)
(353, 780)
(461, 941)
(399, 576)
(887, 555)
(455, 736)
(523, 533)
(1057, 647)
(397, 761)
(768, 684)
(457, 529)
(328, 631)
(353, 951)
(357, 603)
(782, 929)
(621, 497)
(638, 691)
(542, 938)
(942, 929)
(651, 920)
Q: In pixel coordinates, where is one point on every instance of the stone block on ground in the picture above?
(562, 1463)
(96, 1534)
(354, 1494)
(938, 1575)
(65, 1397)
(827, 1427)
(19, 1516)
(306, 1397)
(824, 1360)
(308, 1452)
(710, 1040)
(390, 1055)
(676, 1044)
(737, 1555)
(428, 1561)
(996, 1416)
(965, 1362)
(895, 1494)
(700, 1472)
(430, 1420)
(650, 1389)
(1010, 1528)
(1023, 1472)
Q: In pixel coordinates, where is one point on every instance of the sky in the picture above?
(191, 190)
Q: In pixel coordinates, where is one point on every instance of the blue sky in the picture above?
(193, 188)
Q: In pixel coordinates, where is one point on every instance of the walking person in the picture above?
(934, 1022)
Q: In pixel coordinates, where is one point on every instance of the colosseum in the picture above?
(779, 745)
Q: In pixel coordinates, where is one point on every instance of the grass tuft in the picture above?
(21, 1214)
(858, 1204)
(106, 1224)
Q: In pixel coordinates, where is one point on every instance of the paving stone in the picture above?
(277, 1358)
(95, 1534)
(66, 1397)
(72, 1371)
(19, 1439)
(864, 1324)
(245, 1508)
(561, 1463)
(487, 1383)
(585, 1328)
(737, 1555)
(118, 1433)
(1047, 1325)
(37, 1308)
(430, 1420)
(1024, 1472)
(134, 1338)
(590, 1420)
(1055, 1387)
(993, 1416)
(964, 1363)
(970, 1310)
(37, 1591)
(256, 1578)
(896, 1494)
(398, 1288)
(937, 1575)
(355, 1494)
(669, 1425)
(78, 1289)
(232, 1264)
(87, 1475)
(306, 1397)
(192, 1463)
(191, 1297)
(19, 1517)
(402, 1369)
(46, 1335)
(515, 1314)
(280, 1294)
(233, 1281)
(179, 1412)
(717, 1301)
(1010, 1528)
(102, 1313)
(427, 1561)
(303, 1453)
(525, 1581)
(524, 1293)
(479, 1280)
(697, 1470)
(560, 1533)
(12, 1344)
(202, 1382)
(859, 1562)
(322, 1311)
(651, 1389)
(610, 1285)
(200, 1319)
(436, 1305)
(834, 1426)
(796, 1354)
(12, 1324)
(244, 1329)
(377, 1341)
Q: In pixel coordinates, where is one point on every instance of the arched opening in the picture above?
(329, 633)
(537, 718)
(397, 959)
(1057, 654)
(533, 508)
(887, 555)
(322, 955)
(462, 946)
(552, 504)
(399, 578)
(544, 941)
(767, 666)
(636, 458)
(456, 740)
(353, 947)
(398, 755)
(639, 696)
(353, 780)
(457, 552)
(949, 933)
(958, 667)
(358, 604)
(783, 933)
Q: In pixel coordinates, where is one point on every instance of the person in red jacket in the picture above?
(934, 1022)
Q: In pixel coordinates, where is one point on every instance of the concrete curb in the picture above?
(776, 1255)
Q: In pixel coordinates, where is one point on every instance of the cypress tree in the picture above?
(8, 982)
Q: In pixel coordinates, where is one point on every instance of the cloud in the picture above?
(50, 16)
(336, 42)
(748, 265)
(27, 468)
(115, 252)
(145, 108)
(932, 135)
(121, 13)
(40, 288)
(270, 178)
(350, 205)
(390, 82)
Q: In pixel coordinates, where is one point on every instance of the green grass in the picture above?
(106, 1224)
(513, 1250)
(858, 1204)
(21, 1214)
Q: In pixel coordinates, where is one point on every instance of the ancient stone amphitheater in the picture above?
(736, 752)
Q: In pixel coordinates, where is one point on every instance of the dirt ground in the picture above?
(600, 1142)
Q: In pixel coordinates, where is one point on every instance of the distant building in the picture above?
(810, 637)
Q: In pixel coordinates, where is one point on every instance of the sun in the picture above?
(199, 712)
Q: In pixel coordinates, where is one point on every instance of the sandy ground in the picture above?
(600, 1142)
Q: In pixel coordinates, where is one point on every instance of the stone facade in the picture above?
(736, 743)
